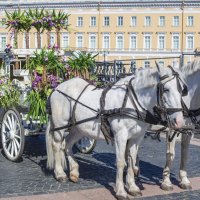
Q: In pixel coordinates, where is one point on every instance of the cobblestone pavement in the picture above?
(30, 177)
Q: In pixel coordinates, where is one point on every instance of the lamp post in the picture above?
(182, 32)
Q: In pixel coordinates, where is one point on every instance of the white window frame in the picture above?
(80, 21)
(161, 21)
(176, 21)
(173, 39)
(1, 22)
(135, 36)
(3, 44)
(164, 41)
(161, 63)
(36, 43)
(24, 40)
(133, 21)
(120, 21)
(187, 40)
(106, 21)
(147, 21)
(107, 35)
(147, 64)
(65, 45)
(118, 45)
(77, 40)
(93, 21)
(190, 21)
(52, 39)
(144, 41)
(91, 36)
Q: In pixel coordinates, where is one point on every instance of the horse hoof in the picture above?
(166, 187)
(185, 186)
(74, 178)
(122, 198)
(135, 193)
(62, 179)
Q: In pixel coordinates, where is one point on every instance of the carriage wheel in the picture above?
(85, 145)
(12, 135)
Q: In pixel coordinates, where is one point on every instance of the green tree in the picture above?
(14, 23)
(81, 63)
(37, 22)
(59, 20)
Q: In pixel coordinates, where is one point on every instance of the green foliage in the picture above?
(47, 58)
(9, 95)
(81, 62)
(37, 103)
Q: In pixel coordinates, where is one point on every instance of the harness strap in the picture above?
(73, 119)
(76, 100)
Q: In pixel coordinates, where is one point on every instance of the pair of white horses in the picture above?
(128, 132)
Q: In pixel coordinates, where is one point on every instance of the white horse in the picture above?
(191, 74)
(125, 129)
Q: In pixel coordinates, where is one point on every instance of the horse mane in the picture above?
(145, 78)
(191, 68)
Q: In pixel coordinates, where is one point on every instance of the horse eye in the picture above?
(166, 90)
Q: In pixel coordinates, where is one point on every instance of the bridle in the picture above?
(161, 109)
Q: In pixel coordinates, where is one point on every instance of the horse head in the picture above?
(169, 95)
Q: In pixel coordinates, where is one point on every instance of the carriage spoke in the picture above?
(5, 123)
(9, 147)
(17, 143)
(9, 121)
(7, 140)
(15, 147)
(17, 136)
(12, 149)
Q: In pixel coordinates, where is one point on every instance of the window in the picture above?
(106, 41)
(93, 21)
(190, 41)
(106, 21)
(36, 40)
(162, 21)
(190, 21)
(147, 21)
(65, 40)
(133, 41)
(2, 22)
(52, 39)
(80, 21)
(147, 64)
(120, 41)
(175, 41)
(3, 41)
(161, 63)
(120, 21)
(79, 40)
(147, 41)
(24, 40)
(176, 21)
(67, 22)
(92, 41)
(161, 41)
(133, 21)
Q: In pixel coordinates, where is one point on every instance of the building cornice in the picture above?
(99, 4)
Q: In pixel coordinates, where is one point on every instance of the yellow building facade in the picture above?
(119, 29)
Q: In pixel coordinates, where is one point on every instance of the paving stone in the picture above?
(30, 177)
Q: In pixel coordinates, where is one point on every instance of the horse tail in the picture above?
(49, 146)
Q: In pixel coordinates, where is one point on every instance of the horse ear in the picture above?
(160, 69)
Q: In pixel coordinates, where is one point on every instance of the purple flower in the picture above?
(46, 59)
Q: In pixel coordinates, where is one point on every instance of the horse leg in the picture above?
(60, 161)
(185, 141)
(133, 168)
(170, 154)
(71, 139)
(120, 146)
